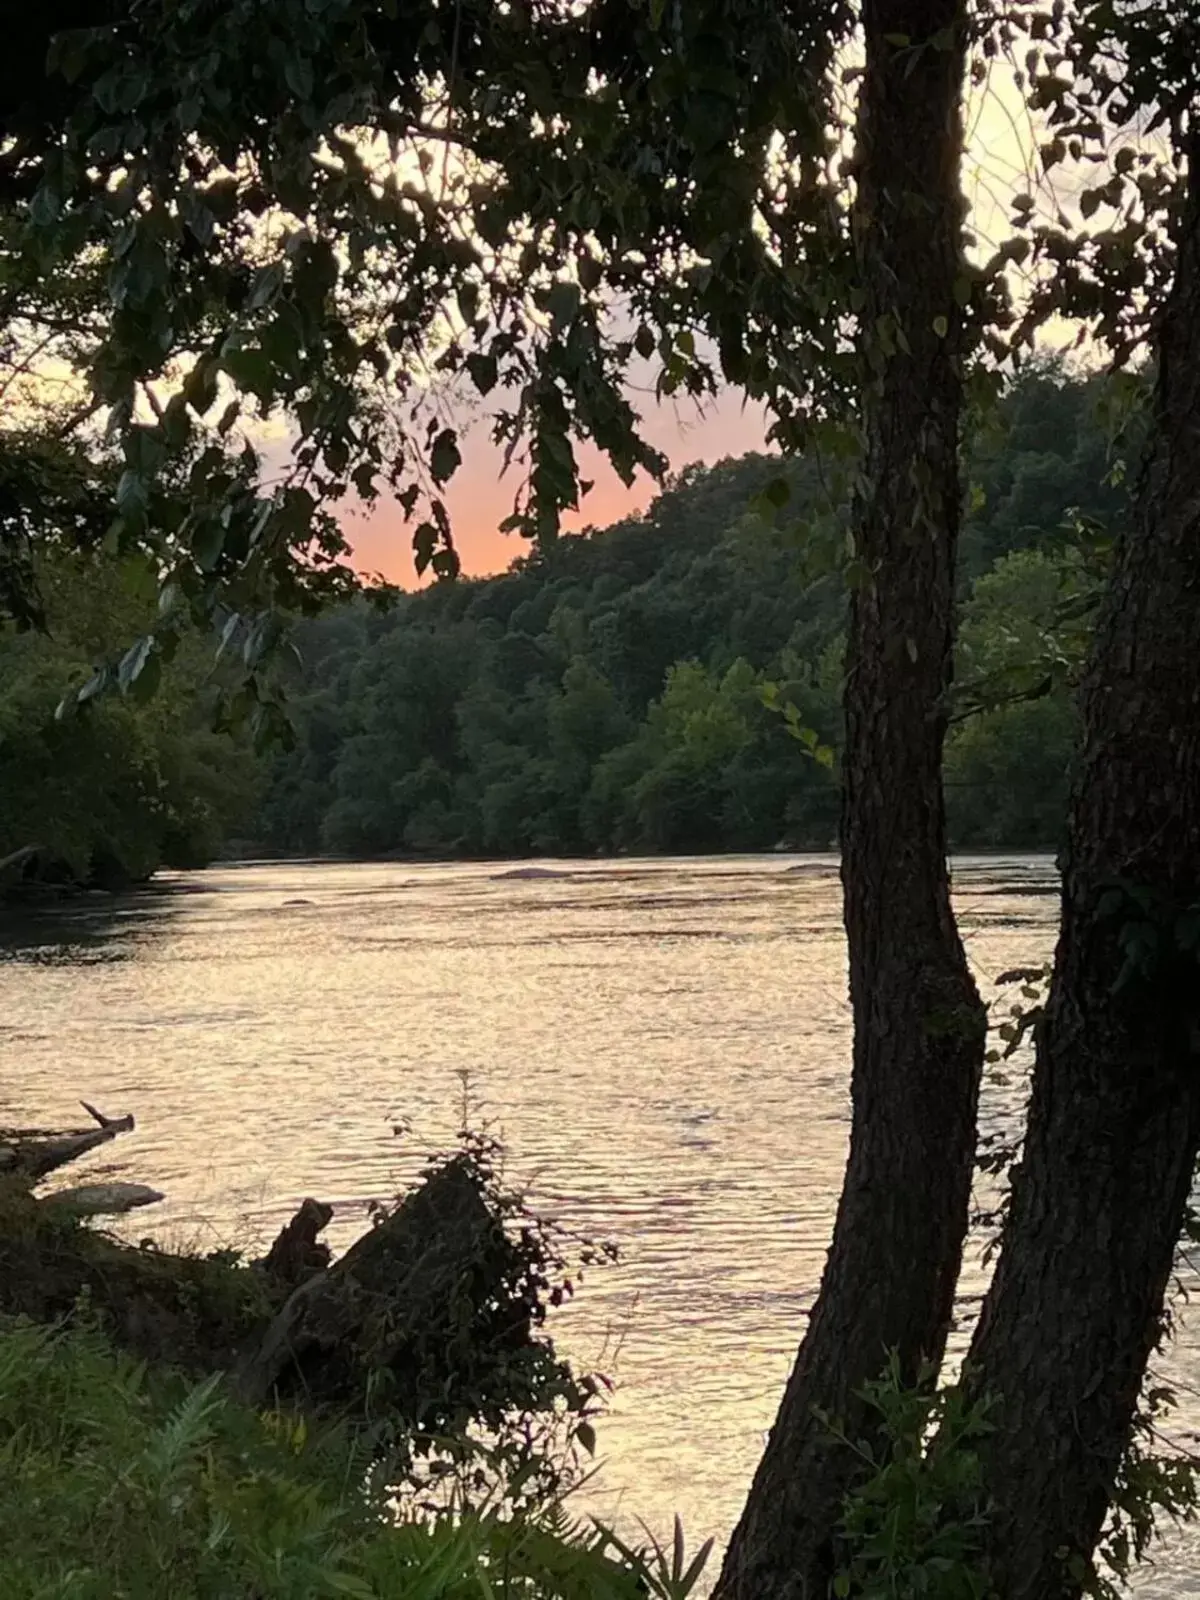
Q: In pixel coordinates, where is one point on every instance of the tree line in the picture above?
(673, 683)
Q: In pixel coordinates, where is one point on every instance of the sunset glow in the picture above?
(479, 498)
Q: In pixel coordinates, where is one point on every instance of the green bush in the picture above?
(122, 1483)
(914, 1525)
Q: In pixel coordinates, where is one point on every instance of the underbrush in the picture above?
(123, 1482)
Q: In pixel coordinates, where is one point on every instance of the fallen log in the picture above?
(28, 1154)
(429, 1318)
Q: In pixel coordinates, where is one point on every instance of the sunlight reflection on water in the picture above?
(663, 1045)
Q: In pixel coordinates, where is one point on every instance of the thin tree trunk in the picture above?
(919, 1025)
(1075, 1307)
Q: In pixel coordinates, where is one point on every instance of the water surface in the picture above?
(663, 1045)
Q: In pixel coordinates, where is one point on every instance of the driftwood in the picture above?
(28, 1154)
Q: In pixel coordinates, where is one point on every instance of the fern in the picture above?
(116, 1480)
(189, 1427)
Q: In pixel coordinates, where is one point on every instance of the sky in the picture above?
(479, 498)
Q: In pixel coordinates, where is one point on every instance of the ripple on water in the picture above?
(662, 1044)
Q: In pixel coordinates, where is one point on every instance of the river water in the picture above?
(663, 1046)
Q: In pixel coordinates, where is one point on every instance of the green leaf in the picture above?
(200, 385)
(132, 497)
(96, 684)
(425, 542)
(261, 638)
(858, 574)
(144, 449)
(267, 284)
(468, 302)
(133, 662)
(445, 458)
(777, 493)
(296, 508)
(349, 1585)
(484, 371)
(590, 272)
(144, 687)
(298, 72)
(208, 541)
(232, 623)
(68, 53)
(251, 369)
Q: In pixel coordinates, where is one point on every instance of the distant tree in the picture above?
(133, 787)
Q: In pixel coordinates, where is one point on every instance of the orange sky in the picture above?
(479, 499)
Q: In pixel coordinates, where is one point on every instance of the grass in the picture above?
(122, 1482)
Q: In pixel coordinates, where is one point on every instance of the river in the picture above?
(662, 1044)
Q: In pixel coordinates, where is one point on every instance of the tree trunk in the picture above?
(1075, 1308)
(919, 1024)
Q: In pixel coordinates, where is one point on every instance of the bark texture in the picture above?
(919, 1024)
(1075, 1307)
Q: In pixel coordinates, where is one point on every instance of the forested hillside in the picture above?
(672, 683)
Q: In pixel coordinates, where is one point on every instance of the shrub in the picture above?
(118, 1480)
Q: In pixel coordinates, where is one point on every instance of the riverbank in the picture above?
(391, 1424)
(125, 1479)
